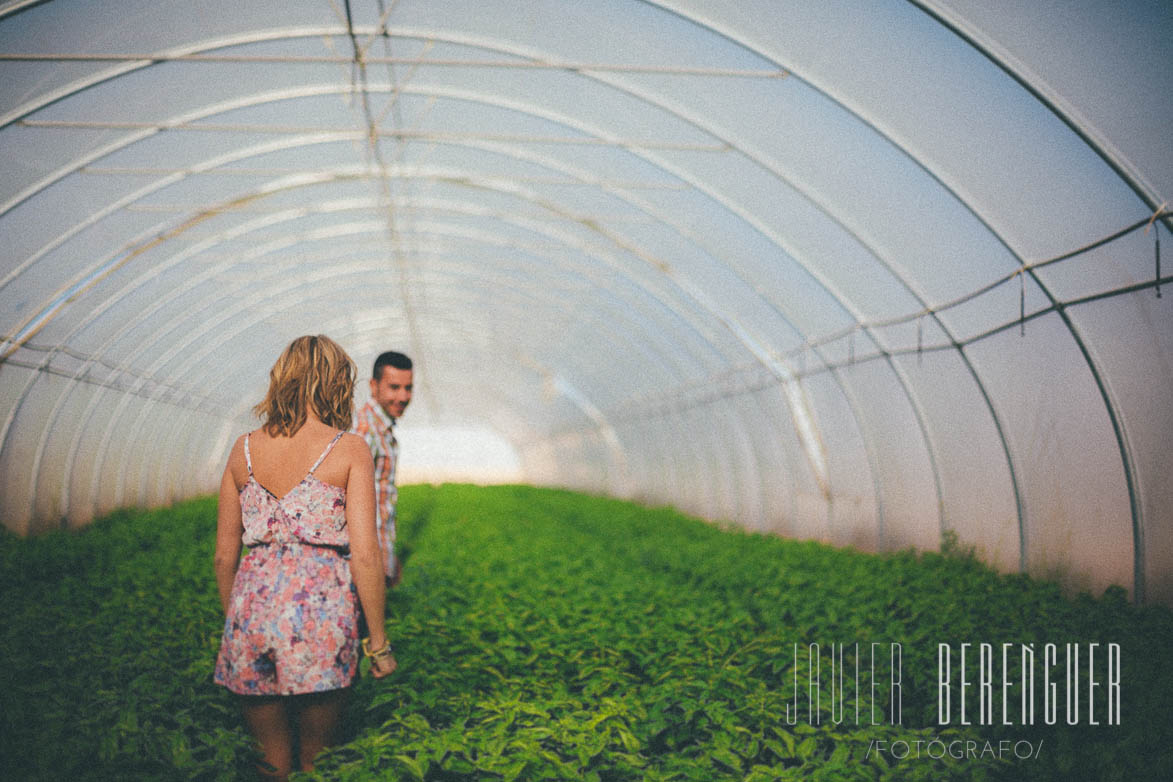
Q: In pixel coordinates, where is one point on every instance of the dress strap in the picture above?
(248, 459)
(326, 452)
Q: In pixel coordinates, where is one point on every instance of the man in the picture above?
(391, 382)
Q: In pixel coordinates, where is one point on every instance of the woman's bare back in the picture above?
(280, 464)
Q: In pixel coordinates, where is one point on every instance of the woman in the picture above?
(299, 492)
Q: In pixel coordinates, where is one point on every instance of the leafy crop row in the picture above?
(548, 635)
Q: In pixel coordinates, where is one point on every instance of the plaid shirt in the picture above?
(376, 427)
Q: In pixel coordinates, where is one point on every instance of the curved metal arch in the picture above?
(161, 450)
(173, 482)
(732, 480)
(672, 224)
(291, 210)
(731, 323)
(11, 7)
(748, 473)
(483, 43)
(104, 449)
(564, 120)
(162, 483)
(349, 229)
(845, 393)
(519, 312)
(684, 477)
(285, 93)
(241, 322)
(270, 147)
(783, 459)
(211, 272)
(651, 350)
(647, 349)
(1052, 101)
(790, 253)
(102, 267)
(174, 427)
(167, 181)
(760, 160)
(125, 67)
(839, 298)
(191, 251)
(93, 314)
(996, 419)
(540, 161)
(524, 361)
(235, 316)
(361, 334)
(1144, 192)
(98, 270)
(1109, 403)
(739, 332)
(523, 108)
(529, 443)
(778, 241)
(826, 210)
(349, 269)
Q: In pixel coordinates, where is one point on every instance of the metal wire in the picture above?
(749, 378)
(445, 62)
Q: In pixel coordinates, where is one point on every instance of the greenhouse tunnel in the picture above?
(871, 273)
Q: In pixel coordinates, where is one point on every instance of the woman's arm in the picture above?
(229, 528)
(366, 565)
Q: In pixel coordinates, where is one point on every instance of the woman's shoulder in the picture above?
(238, 445)
(353, 444)
(237, 462)
(351, 453)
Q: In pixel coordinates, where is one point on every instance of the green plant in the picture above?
(547, 635)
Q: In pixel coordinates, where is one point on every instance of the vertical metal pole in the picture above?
(920, 338)
(1022, 304)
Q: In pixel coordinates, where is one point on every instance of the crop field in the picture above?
(549, 635)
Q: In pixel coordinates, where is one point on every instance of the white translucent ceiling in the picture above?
(862, 271)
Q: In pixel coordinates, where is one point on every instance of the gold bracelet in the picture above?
(382, 651)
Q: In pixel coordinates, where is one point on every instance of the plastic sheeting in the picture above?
(865, 272)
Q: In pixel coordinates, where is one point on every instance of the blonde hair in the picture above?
(312, 374)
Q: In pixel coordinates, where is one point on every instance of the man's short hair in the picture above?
(390, 359)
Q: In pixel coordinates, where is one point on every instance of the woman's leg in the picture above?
(318, 719)
(268, 720)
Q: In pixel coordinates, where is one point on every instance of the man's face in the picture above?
(392, 391)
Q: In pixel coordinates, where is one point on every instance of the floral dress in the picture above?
(292, 624)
